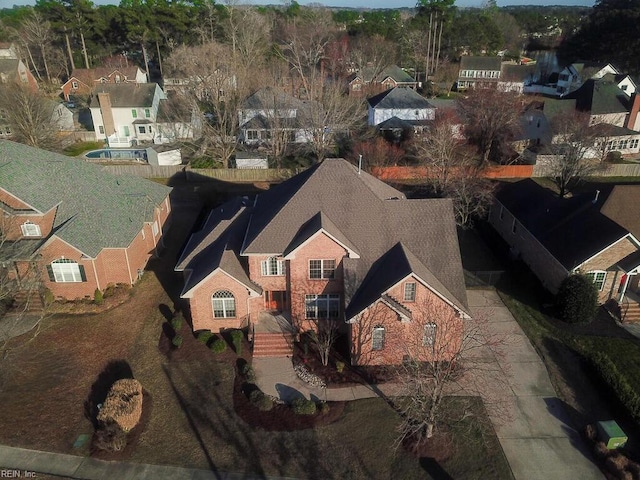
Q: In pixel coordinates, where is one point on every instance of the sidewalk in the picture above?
(84, 468)
(276, 377)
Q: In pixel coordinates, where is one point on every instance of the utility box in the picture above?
(611, 434)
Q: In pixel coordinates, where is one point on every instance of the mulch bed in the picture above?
(114, 296)
(329, 374)
(281, 417)
(440, 447)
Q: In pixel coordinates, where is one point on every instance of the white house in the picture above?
(269, 112)
(62, 117)
(402, 103)
(125, 114)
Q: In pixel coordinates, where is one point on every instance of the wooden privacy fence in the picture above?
(383, 173)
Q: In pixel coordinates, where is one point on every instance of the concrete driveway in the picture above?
(530, 421)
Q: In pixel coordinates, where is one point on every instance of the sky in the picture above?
(357, 3)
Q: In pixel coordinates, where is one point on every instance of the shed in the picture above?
(164, 155)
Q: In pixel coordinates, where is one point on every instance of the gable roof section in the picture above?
(468, 62)
(269, 98)
(621, 207)
(600, 97)
(216, 246)
(368, 214)
(571, 229)
(9, 65)
(96, 209)
(399, 98)
(396, 73)
(320, 223)
(125, 95)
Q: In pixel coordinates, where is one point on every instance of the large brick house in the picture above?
(79, 227)
(596, 233)
(83, 81)
(331, 244)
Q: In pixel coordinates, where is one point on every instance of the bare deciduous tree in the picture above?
(471, 194)
(489, 115)
(331, 114)
(572, 141)
(30, 115)
(37, 32)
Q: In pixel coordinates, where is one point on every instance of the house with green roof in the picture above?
(81, 227)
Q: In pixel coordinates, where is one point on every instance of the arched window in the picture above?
(66, 270)
(378, 338)
(272, 267)
(224, 304)
(30, 229)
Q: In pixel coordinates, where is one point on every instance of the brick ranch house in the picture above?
(595, 233)
(331, 244)
(80, 227)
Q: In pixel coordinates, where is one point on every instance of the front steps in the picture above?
(272, 345)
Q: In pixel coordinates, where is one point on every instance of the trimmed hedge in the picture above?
(577, 299)
(176, 323)
(98, 297)
(218, 345)
(204, 336)
(609, 374)
(236, 338)
(263, 402)
(177, 341)
(302, 406)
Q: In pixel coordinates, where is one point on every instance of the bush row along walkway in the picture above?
(71, 466)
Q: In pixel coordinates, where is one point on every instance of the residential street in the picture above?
(530, 421)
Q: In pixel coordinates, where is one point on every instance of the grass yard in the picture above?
(189, 414)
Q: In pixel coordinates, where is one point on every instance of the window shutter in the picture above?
(50, 272)
(83, 275)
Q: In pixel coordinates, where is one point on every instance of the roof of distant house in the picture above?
(96, 209)
(269, 98)
(468, 62)
(516, 73)
(9, 65)
(399, 98)
(126, 94)
(572, 229)
(599, 97)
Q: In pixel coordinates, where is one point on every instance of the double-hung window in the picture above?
(410, 292)
(134, 113)
(322, 269)
(322, 306)
(377, 338)
(598, 278)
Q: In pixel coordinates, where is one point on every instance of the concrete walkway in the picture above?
(532, 425)
(28, 462)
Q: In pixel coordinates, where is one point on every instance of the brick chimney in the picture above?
(633, 122)
(104, 100)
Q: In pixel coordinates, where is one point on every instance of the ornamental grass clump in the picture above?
(123, 405)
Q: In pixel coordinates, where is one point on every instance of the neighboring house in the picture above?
(80, 227)
(176, 120)
(514, 77)
(330, 244)
(62, 117)
(400, 106)
(478, 71)
(126, 114)
(595, 234)
(368, 82)
(83, 81)
(13, 70)
(572, 77)
(271, 113)
(218, 84)
(5, 128)
(603, 100)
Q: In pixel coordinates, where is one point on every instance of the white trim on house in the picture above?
(627, 236)
(189, 293)
(351, 253)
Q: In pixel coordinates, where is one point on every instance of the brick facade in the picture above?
(402, 337)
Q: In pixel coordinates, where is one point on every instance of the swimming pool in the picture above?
(117, 154)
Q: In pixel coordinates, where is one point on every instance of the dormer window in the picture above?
(30, 229)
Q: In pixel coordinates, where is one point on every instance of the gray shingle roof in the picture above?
(600, 97)
(96, 209)
(270, 98)
(126, 94)
(393, 236)
(399, 98)
(9, 66)
(468, 62)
